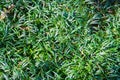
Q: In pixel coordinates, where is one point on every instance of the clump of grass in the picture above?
(49, 40)
(101, 11)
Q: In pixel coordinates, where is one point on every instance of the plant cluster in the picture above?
(101, 11)
(52, 40)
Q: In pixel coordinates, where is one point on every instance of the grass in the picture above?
(50, 40)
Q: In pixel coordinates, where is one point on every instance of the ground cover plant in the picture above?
(59, 40)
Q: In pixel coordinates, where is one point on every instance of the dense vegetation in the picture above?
(59, 40)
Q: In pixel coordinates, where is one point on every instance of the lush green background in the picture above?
(59, 40)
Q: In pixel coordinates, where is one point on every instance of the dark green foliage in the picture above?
(101, 11)
(51, 40)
